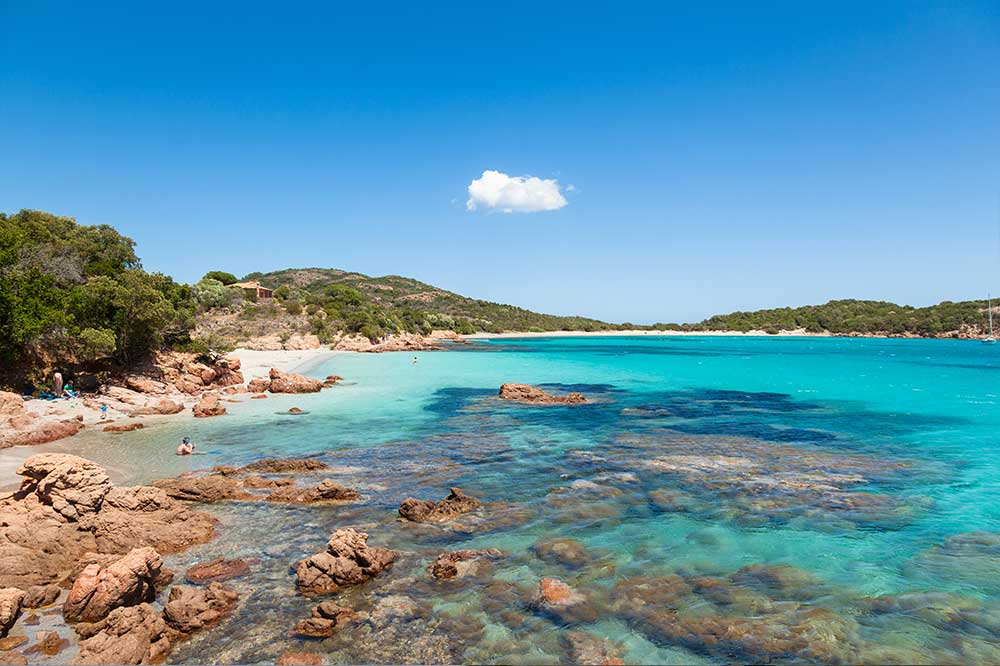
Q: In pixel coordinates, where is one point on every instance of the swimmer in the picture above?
(185, 448)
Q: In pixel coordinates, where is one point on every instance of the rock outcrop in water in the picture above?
(128, 635)
(348, 560)
(326, 618)
(283, 466)
(209, 405)
(533, 395)
(230, 483)
(325, 491)
(459, 563)
(190, 609)
(287, 382)
(426, 511)
(209, 488)
(66, 507)
(98, 590)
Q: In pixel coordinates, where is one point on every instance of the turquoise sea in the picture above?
(789, 500)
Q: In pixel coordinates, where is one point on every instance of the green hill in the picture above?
(393, 303)
(845, 317)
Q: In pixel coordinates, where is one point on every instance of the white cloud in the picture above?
(514, 194)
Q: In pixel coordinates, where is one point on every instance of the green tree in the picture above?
(221, 276)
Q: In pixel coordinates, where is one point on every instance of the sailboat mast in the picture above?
(989, 310)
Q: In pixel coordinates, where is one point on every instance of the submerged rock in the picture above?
(125, 582)
(217, 570)
(191, 609)
(588, 650)
(567, 552)
(128, 635)
(425, 511)
(347, 560)
(536, 396)
(50, 645)
(555, 597)
(325, 491)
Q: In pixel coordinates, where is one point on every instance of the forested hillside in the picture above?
(846, 317)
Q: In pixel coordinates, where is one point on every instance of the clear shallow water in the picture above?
(701, 468)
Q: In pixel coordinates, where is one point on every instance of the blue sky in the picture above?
(721, 156)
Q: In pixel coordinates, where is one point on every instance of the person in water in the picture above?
(414, 360)
(185, 448)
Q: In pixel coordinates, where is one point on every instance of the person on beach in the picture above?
(185, 448)
(104, 411)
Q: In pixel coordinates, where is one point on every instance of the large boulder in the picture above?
(534, 395)
(128, 635)
(38, 596)
(209, 405)
(426, 511)
(193, 608)
(124, 427)
(11, 404)
(348, 560)
(258, 385)
(11, 603)
(66, 507)
(146, 516)
(161, 406)
(71, 485)
(126, 582)
(286, 382)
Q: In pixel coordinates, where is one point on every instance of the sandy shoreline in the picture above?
(254, 363)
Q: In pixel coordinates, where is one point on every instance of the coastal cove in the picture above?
(816, 499)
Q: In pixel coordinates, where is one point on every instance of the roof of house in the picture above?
(249, 285)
